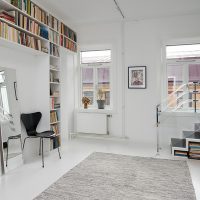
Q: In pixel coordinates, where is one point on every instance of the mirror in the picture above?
(10, 137)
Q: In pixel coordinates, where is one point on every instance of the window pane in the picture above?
(96, 56)
(88, 83)
(183, 51)
(175, 80)
(5, 99)
(104, 83)
(194, 72)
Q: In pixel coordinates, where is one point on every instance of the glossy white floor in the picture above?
(29, 180)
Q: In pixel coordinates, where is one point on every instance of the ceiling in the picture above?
(83, 11)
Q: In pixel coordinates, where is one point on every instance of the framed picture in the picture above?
(137, 77)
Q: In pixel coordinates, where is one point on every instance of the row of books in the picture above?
(54, 37)
(54, 50)
(31, 9)
(68, 32)
(54, 104)
(10, 33)
(65, 42)
(54, 117)
(53, 23)
(32, 26)
(194, 150)
(24, 5)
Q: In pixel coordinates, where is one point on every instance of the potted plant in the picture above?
(86, 101)
(100, 98)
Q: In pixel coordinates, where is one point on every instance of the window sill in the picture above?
(94, 110)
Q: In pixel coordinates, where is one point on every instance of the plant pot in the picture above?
(101, 104)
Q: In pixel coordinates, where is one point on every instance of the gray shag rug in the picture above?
(104, 176)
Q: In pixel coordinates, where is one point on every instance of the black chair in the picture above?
(31, 121)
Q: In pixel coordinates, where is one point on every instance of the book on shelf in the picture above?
(9, 16)
(194, 145)
(181, 153)
(54, 37)
(32, 26)
(55, 129)
(54, 117)
(9, 33)
(54, 23)
(56, 142)
(31, 9)
(64, 30)
(65, 42)
(54, 50)
(54, 93)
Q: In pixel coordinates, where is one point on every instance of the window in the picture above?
(3, 94)
(96, 74)
(183, 69)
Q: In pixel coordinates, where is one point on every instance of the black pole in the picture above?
(195, 97)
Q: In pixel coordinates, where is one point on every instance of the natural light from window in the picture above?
(95, 75)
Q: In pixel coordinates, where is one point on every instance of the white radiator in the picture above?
(91, 123)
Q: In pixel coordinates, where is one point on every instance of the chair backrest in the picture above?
(31, 121)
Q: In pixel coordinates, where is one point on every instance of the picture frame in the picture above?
(137, 77)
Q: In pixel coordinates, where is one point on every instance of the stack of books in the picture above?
(9, 16)
(181, 153)
(194, 150)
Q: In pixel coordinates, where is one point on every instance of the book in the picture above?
(12, 34)
(54, 50)
(7, 16)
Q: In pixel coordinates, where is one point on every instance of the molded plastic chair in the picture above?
(31, 121)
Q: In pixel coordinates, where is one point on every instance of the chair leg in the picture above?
(21, 142)
(42, 153)
(40, 147)
(7, 153)
(59, 152)
(24, 142)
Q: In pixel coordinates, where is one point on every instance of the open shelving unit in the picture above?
(27, 26)
(54, 85)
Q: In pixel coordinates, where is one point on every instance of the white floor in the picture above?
(29, 180)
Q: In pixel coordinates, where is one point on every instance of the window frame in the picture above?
(96, 66)
(165, 62)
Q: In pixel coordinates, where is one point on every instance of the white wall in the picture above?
(67, 92)
(103, 35)
(143, 43)
(33, 88)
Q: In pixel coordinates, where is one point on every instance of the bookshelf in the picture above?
(54, 85)
(29, 19)
(26, 26)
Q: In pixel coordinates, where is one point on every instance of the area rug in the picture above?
(104, 176)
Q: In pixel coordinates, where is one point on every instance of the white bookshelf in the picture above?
(54, 85)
